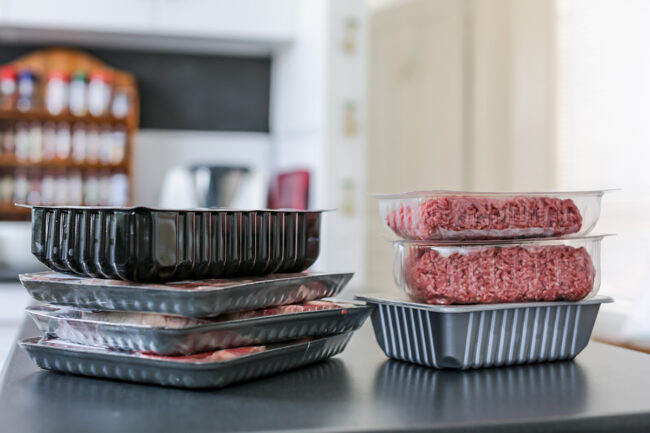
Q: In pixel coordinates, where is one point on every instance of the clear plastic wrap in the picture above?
(459, 216)
(498, 271)
(174, 335)
(201, 298)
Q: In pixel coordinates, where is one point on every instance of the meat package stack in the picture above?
(187, 298)
(492, 278)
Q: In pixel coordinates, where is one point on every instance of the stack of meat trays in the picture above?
(491, 279)
(187, 298)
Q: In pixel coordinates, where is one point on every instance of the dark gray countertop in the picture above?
(605, 389)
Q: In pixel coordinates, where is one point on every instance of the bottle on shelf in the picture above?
(35, 142)
(63, 141)
(92, 144)
(119, 195)
(21, 186)
(34, 188)
(49, 141)
(8, 140)
(91, 189)
(106, 145)
(26, 90)
(22, 141)
(48, 188)
(79, 94)
(8, 86)
(121, 103)
(99, 92)
(119, 144)
(56, 95)
(6, 188)
(104, 184)
(73, 184)
(79, 142)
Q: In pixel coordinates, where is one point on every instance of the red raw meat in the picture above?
(282, 309)
(212, 356)
(463, 218)
(499, 274)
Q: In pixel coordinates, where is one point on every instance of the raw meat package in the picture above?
(498, 271)
(156, 245)
(479, 336)
(176, 335)
(447, 215)
(213, 369)
(198, 298)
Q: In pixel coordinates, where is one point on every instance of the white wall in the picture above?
(156, 151)
(311, 82)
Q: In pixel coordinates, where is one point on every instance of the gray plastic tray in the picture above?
(79, 327)
(102, 363)
(476, 336)
(203, 298)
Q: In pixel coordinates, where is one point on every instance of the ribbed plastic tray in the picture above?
(146, 244)
(476, 336)
(104, 330)
(204, 298)
(103, 363)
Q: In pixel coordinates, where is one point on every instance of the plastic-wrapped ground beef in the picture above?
(499, 274)
(461, 218)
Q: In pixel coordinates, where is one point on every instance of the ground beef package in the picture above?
(486, 274)
(470, 216)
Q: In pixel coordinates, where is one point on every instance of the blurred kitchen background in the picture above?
(316, 104)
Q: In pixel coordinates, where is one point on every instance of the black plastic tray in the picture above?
(146, 244)
(92, 361)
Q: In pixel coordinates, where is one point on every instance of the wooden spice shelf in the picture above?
(11, 212)
(9, 160)
(41, 63)
(41, 114)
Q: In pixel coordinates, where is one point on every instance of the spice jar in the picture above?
(92, 144)
(26, 90)
(22, 141)
(56, 96)
(78, 94)
(35, 142)
(49, 141)
(8, 86)
(63, 143)
(99, 92)
(79, 142)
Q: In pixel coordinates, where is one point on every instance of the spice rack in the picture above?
(66, 177)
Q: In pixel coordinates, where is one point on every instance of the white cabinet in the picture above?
(177, 23)
(113, 15)
(241, 19)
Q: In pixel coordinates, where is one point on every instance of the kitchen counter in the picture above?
(605, 389)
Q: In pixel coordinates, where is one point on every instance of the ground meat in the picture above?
(212, 356)
(462, 218)
(499, 274)
(282, 309)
